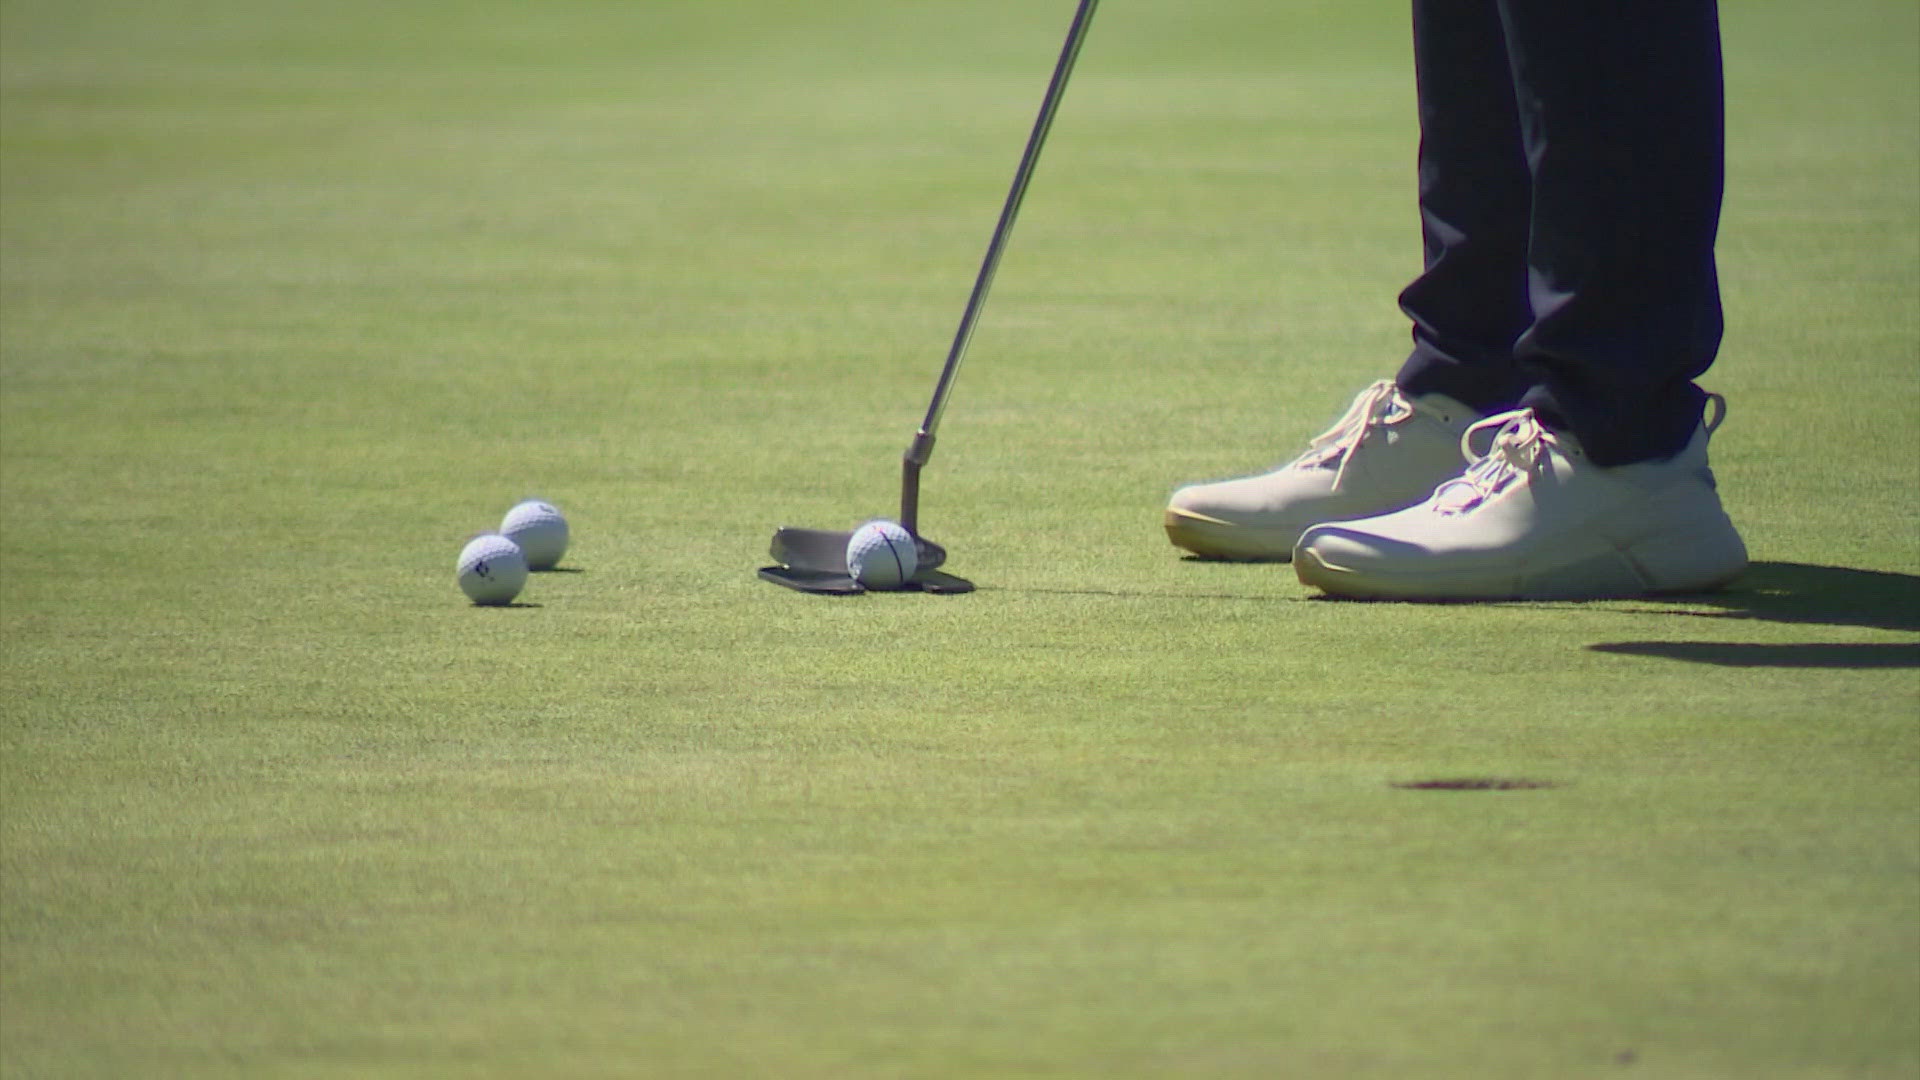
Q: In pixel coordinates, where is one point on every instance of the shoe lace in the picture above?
(1518, 448)
(1379, 404)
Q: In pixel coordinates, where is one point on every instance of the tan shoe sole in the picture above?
(1212, 538)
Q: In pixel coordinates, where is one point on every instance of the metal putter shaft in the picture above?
(815, 560)
(920, 450)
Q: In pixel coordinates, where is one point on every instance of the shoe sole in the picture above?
(1702, 559)
(1223, 541)
(1694, 552)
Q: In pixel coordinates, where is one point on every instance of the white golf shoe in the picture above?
(1533, 519)
(1387, 452)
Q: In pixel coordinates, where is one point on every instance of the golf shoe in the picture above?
(1387, 452)
(1533, 518)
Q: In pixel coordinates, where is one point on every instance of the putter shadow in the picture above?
(1143, 594)
(1148, 594)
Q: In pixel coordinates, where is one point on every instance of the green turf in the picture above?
(297, 296)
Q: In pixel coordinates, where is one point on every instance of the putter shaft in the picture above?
(921, 449)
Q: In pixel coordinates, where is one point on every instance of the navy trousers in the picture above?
(1571, 170)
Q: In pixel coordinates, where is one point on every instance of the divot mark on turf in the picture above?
(1476, 783)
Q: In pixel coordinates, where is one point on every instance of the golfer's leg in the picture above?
(1470, 304)
(1621, 106)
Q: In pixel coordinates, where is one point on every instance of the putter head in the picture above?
(815, 561)
(826, 549)
(822, 582)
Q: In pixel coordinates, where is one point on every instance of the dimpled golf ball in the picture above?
(492, 569)
(881, 555)
(540, 530)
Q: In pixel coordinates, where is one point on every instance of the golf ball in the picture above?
(881, 555)
(540, 530)
(492, 569)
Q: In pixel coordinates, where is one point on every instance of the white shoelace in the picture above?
(1519, 447)
(1379, 404)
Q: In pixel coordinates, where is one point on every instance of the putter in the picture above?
(815, 560)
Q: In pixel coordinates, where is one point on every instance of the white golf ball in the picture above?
(492, 569)
(881, 555)
(540, 530)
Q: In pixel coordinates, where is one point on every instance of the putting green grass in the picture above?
(295, 297)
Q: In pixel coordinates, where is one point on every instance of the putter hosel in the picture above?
(917, 455)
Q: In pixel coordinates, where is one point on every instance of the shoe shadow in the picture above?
(1803, 593)
(1797, 593)
(1736, 654)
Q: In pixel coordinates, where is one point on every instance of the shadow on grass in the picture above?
(1736, 654)
(1825, 595)
(1119, 592)
(1797, 593)
(1143, 594)
(1768, 591)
